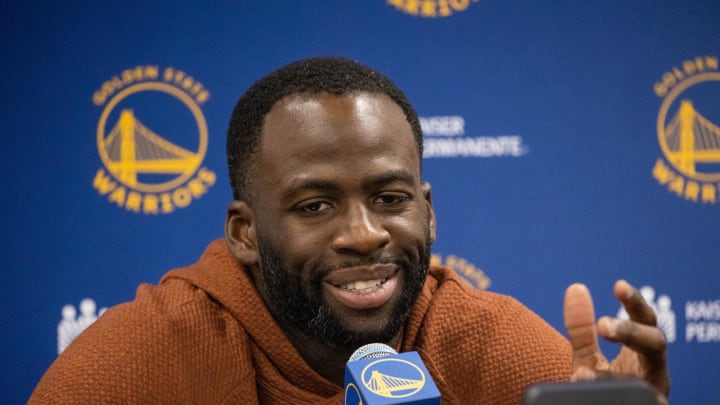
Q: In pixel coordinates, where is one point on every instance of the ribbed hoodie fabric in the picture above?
(204, 336)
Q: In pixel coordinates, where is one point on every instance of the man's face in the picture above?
(343, 222)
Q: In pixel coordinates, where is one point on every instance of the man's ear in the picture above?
(430, 211)
(240, 232)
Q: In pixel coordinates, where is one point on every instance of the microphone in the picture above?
(377, 374)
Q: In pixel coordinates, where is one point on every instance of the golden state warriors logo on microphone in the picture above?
(688, 131)
(393, 378)
(152, 138)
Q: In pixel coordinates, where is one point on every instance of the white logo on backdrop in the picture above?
(73, 323)
(702, 321)
(665, 315)
(444, 137)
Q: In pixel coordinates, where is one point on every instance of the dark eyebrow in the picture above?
(398, 176)
(308, 184)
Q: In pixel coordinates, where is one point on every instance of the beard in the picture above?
(301, 306)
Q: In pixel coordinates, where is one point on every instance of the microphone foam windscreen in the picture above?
(372, 351)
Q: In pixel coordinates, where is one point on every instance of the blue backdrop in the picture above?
(566, 141)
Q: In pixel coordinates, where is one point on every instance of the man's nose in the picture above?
(361, 231)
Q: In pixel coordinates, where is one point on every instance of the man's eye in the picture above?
(390, 199)
(314, 207)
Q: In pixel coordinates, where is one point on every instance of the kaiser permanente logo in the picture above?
(444, 137)
(688, 132)
(431, 8)
(702, 317)
(72, 323)
(152, 138)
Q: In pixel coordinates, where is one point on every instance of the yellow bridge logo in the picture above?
(144, 171)
(131, 148)
(390, 384)
(689, 139)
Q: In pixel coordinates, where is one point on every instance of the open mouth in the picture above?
(363, 287)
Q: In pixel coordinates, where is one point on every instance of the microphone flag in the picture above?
(377, 374)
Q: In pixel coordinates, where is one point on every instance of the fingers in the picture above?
(588, 374)
(644, 344)
(640, 333)
(583, 373)
(642, 338)
(638, 310)
(643, 353)
(580, 325)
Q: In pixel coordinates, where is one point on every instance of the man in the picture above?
(326, 249)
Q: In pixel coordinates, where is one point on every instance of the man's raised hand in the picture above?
(643, 344)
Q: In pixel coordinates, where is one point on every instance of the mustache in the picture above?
(323, 270)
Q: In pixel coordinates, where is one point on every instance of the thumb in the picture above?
(580, 325)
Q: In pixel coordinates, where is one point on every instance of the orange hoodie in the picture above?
(203, 335)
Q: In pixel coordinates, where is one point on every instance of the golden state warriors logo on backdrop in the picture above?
(152, 138)
(473, 275)
(431, 8)
(383, 377)
(688, 131)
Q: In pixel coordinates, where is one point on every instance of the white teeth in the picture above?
(362, 285)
